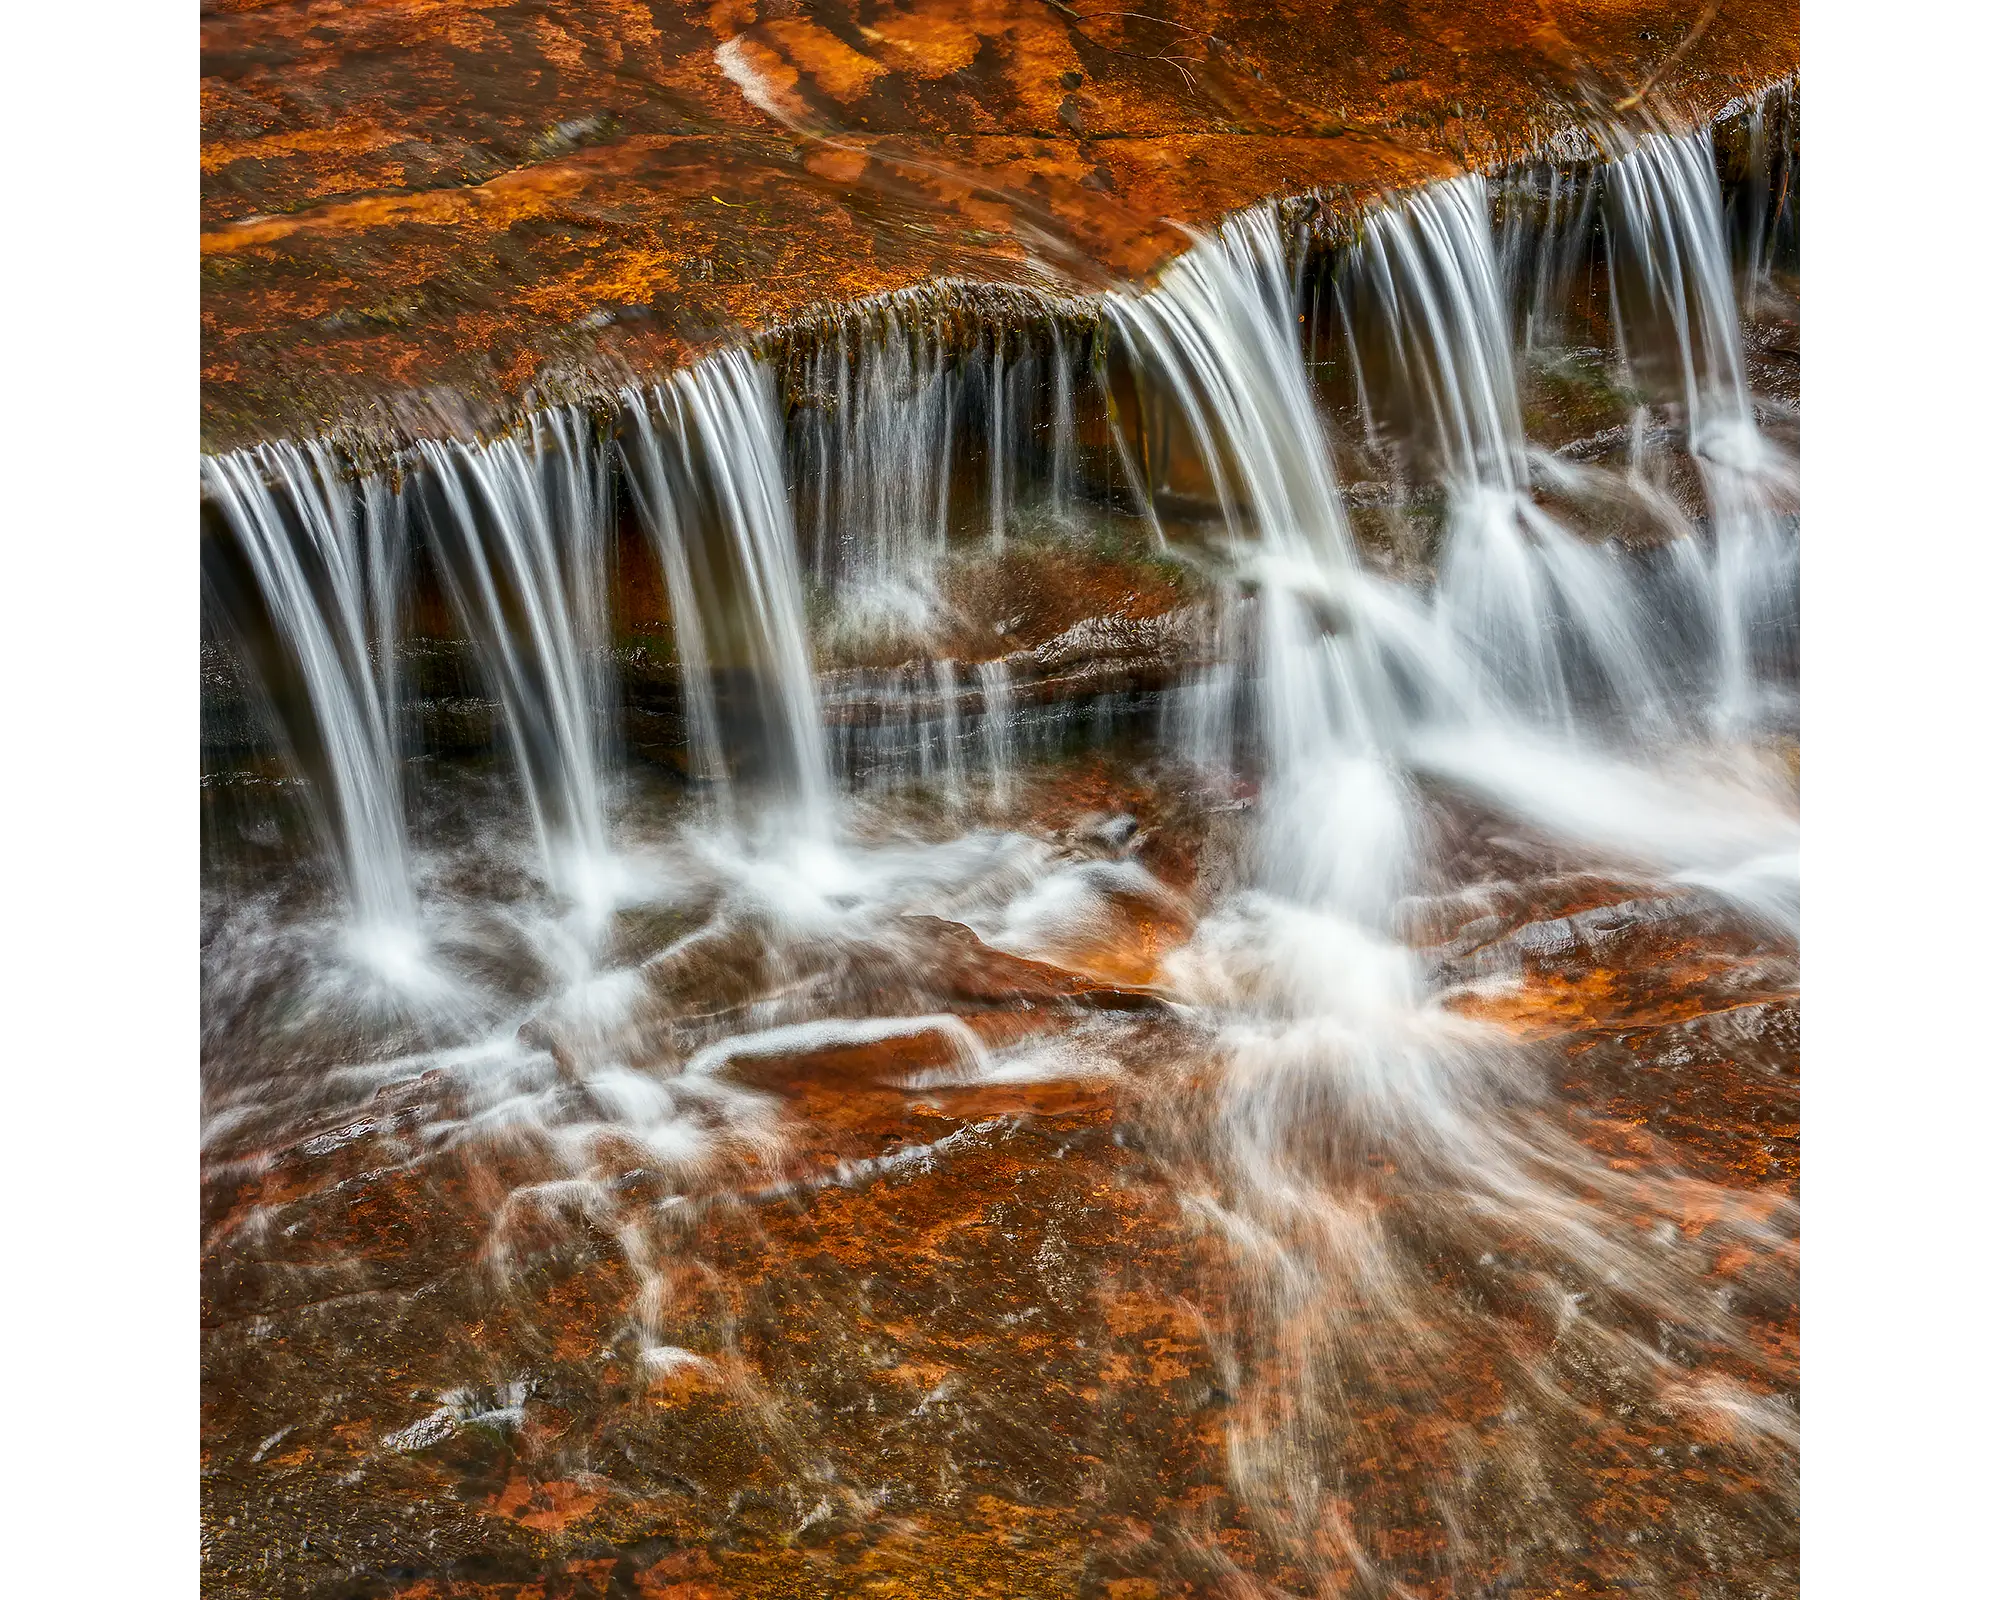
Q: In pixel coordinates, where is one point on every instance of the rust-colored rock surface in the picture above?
(484, 199)
(948, 1335)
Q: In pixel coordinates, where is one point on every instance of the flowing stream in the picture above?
(1283, 831)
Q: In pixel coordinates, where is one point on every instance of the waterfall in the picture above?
(1534, 654)
(1543, 246)
(827, 421)
(723, 417)
(521, 533)
(1771, 215)
(996, 697)
(1220, 335)
(1672, 268)
(327, 574)
(655, 488)
(1536, 606)
(1397, 974)
(1503, 680)
(1062, 427)
(903, 723)
(892, 433)
(1338, 683)
(944, 674)
(999, 444)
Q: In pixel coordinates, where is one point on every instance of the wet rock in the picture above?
(735, 168)
(928, 1332)
(883, 1062)
(970, 969)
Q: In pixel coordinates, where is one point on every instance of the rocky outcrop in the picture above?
(422, 214)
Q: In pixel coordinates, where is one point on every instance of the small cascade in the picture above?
(950, 764)
(325, 552)
(722, 419)
(999, 440)
(1548, 616)
(1544, 244)
(1502, 679)
(1764, 219)
(1534, 655)
(655, 490)
(1063, 465)
(1219, 336)
(886, 442)
(520, 527)
(996, 697)
(901, 725)
(1248, 877)
(1677, 299)
(1333, 679)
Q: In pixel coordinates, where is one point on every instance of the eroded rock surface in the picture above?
(450, 205)
(989, 1302)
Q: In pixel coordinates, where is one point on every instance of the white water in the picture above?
(1362, 707)
(1062, 428)
(1331, 1043)
(723, 414)
(1543, 246)
(331, 592)
(1546, 615)
(1529, 663)
(523, 538)
(657, 492)
(996, 693)
(1531, 639)
(999, 443)
(1671, 259)
(1219, 334)
(888, 444)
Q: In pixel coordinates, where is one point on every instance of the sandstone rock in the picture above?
(486, 201)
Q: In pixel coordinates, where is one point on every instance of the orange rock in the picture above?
(545, 1507)
(399, 198)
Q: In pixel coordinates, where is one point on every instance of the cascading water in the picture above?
(327, 576)
(999, 441)
(1218, 332)
(890, 435)
(1543, 246)
(1671, 256)
(996, 695)
(723, 414)
(654, 486)
(1331, 1042)
(521, 528)
(1535, 606)
(1227, 1044)
(1062, 427)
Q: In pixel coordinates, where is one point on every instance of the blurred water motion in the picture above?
(1149, 951)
